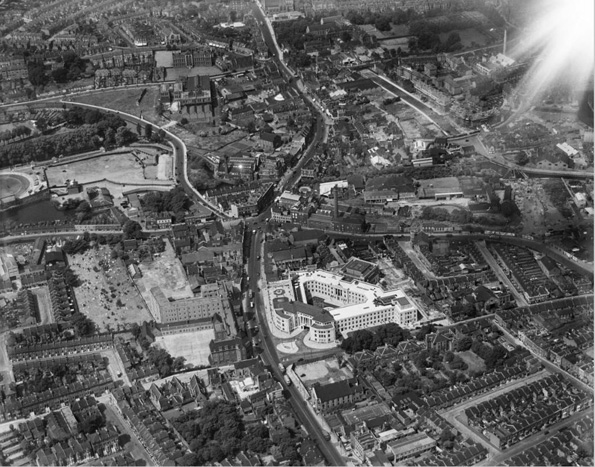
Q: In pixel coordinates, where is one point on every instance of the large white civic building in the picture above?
(350, 305)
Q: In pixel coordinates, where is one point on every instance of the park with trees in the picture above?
(217, 431)
(84, 130)
(364, 339)
(175, 201)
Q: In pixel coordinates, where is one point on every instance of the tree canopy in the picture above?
(93, 130)
(175, 201)
(365, 339)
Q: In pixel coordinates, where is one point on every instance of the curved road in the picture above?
(180, 154)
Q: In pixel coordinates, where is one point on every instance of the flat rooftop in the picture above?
(374, 297)
(440, 185)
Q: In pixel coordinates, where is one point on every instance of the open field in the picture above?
(167, 273)
(326, 371)
(120, 168)
(125, 100)
(474, 362)
(104, 281)
(193, 346)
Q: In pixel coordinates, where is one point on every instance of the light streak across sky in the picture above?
(560, 38)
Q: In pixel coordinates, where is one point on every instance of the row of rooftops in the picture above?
(536, 401)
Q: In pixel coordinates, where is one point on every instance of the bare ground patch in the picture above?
(193, 346)
(165, 272)
(103, 282)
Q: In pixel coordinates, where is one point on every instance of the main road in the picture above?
(269, 355)
(321, 129)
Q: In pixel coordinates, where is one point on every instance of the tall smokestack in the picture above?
(504, 46)
(336, 193)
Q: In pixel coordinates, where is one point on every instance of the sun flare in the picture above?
(560, 43)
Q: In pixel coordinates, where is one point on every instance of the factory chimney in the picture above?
(504, 46)
(336, 195)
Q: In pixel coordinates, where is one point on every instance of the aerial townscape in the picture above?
(296, 232)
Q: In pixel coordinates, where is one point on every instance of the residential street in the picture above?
(520, 299)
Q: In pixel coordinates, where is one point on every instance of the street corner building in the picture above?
(340, 305)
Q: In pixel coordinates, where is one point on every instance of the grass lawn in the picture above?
(474, 362)
(125, 101)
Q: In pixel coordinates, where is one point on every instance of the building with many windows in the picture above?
(186, 310)
(192, 58)
(341, 305)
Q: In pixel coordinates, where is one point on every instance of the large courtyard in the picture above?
(193, 346)
(138, 168)
(322, 371)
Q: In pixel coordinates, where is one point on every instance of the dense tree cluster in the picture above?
(94, 129)
(71, 278)
(293, 33)
(81, 245)
(132, 229)
(217, 431)
(92, 423)
(464, 343)
(365, 339)
(37, 74)
(83, 325)
(72, 68)
(426, 36)
(493, 356)
(397, 16)
(175, 201)
(20, 131)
